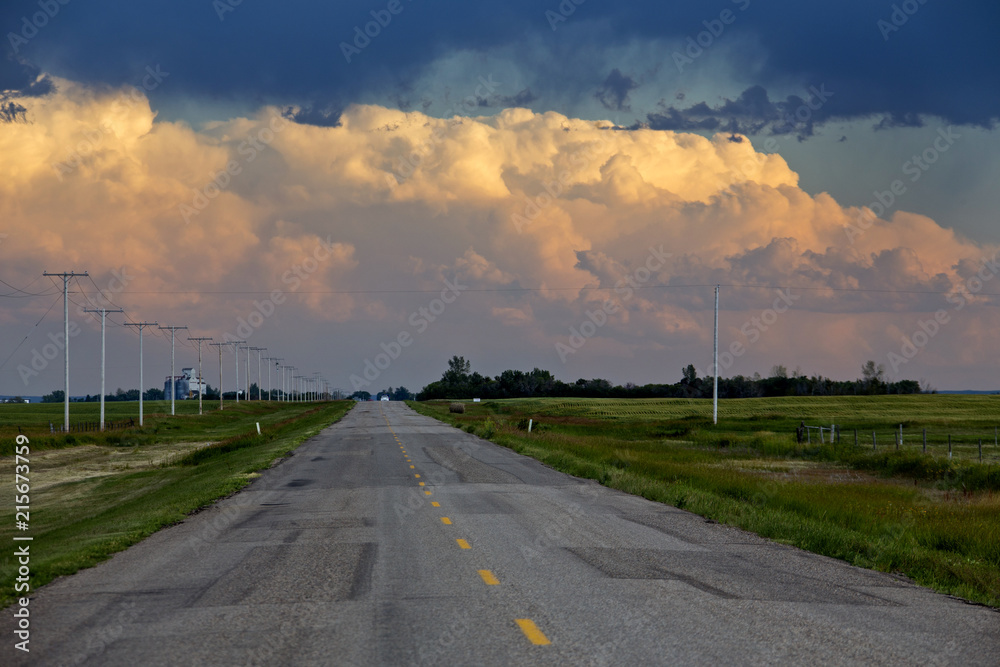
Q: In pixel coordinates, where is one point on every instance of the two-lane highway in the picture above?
(393, 539)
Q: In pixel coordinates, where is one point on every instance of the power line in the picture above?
(28, 335)
(24, 294)
(582, 288)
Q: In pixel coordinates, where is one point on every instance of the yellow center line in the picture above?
(435, 503)
(446, 521)
(417, 476)
(488, 578)
(420, 483)
(412, 467)
(531, 631)
(463, 544)
(427, 493)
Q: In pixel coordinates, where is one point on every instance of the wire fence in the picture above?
(983, 447)
(89, 427)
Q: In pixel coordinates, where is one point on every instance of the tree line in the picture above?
(459, 381)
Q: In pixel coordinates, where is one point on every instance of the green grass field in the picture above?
(934, 519)
(158, 425)
(93, 494)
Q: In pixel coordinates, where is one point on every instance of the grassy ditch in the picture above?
(92, 499)
(932, 519)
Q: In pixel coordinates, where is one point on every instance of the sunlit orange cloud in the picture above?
(392, 200)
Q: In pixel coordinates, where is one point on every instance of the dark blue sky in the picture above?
(943, 61)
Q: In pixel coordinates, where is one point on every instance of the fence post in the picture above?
(949, 445)
(855, 437)
(925, 441)
(980, 450)
(874, 442)
(900, 437)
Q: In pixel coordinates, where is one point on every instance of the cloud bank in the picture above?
(308, 233)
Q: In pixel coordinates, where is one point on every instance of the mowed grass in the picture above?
(90, 500)
(933, 519)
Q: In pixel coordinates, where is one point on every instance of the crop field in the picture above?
(966, 419)
(929, 517)
(92, 494)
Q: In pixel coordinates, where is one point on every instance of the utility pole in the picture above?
(104, 312)
(715, 384)
(173, 390)
(66, 278)
(141, 325)
(258, 350)
(286, 392)
(247, 348)
(200, 379)
(270, 386)
(219, 345)
(236, 352)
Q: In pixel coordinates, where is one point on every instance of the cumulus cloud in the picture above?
(544, 216)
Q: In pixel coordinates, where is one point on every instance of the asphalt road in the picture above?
(392, 539)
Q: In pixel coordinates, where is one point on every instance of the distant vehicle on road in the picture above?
(384, 398)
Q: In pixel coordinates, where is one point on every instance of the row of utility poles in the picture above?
(298, 387)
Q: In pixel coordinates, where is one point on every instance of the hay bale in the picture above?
(458, 408)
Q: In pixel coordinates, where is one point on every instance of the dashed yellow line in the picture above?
(446, 521)
(420, 483)
(435, 503)
(531, 631)
(412, 467)
(488, 578)
(427, 493)
(463, 544)
(417, 476)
